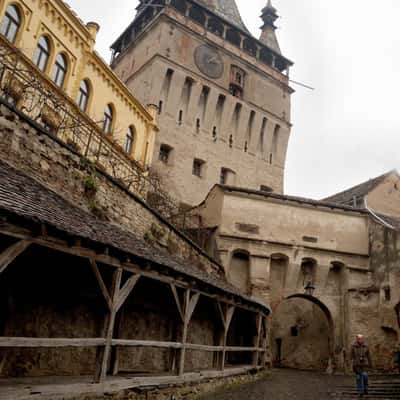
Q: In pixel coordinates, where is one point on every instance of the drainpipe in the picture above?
(377, 216)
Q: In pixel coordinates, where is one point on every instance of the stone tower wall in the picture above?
(247, 136)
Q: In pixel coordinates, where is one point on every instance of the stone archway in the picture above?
(302, 333)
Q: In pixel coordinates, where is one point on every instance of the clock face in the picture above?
(208, 61)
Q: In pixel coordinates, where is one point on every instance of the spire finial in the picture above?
(269, 16)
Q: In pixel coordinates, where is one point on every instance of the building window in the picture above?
(236, 85)
(83, 95)
(214, 134)
(160, 107)
(129, 140)
(180, 117)
(60, 70)
(11, 23)
(198, 167)
(197, 125)
(108, 119)
(223, 176)
(42, 53)
(165, 153)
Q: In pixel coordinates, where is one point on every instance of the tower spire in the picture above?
(268, 36)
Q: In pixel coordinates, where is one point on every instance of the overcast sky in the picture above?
(348, 129)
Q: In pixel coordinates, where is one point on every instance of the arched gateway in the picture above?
(302, 333)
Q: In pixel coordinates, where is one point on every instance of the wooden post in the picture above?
(110, 322)
(11, 253)
(115, 350)
(226, 317)
(265, 341)
(189, 306)
(258, 340)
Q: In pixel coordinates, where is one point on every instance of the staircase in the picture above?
(384, 389)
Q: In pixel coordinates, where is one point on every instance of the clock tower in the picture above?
(223, 96)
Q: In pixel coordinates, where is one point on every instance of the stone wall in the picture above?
(187, 392)
(61, 169)
(379, 301)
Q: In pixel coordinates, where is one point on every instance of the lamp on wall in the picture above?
(309, 288)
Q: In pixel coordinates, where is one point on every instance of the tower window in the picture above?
(11, 23)
(180, 117)
(198, 166)
(230, 141)
(215, 26)
(160, 107)
(223, 179)
(214, 134)
(165, 153)
(237, 79)
(197, 125)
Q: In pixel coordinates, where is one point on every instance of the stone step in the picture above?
(382, 390)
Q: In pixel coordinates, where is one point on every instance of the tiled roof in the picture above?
(296, 199)
(357, 192)
(24, 197)
(227, 9)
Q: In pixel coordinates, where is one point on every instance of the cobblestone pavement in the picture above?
(285, 384)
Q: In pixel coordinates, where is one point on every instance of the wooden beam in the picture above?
(146, 343)
(110, 322)
(11, 342)
(228, 316)
(62, 246)
(177, 301)
(100, 281)
(126, 291)
(258, 340)
(12, 252)
(189, 307)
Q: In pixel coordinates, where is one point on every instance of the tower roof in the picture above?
(227, 9)
(268, 35)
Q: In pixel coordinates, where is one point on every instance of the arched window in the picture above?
(60, 70)
(129, 140)
(11, 23)
(83, 95)
(42, 53)
(108, 119)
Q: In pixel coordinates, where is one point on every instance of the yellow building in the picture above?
(61, 48)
